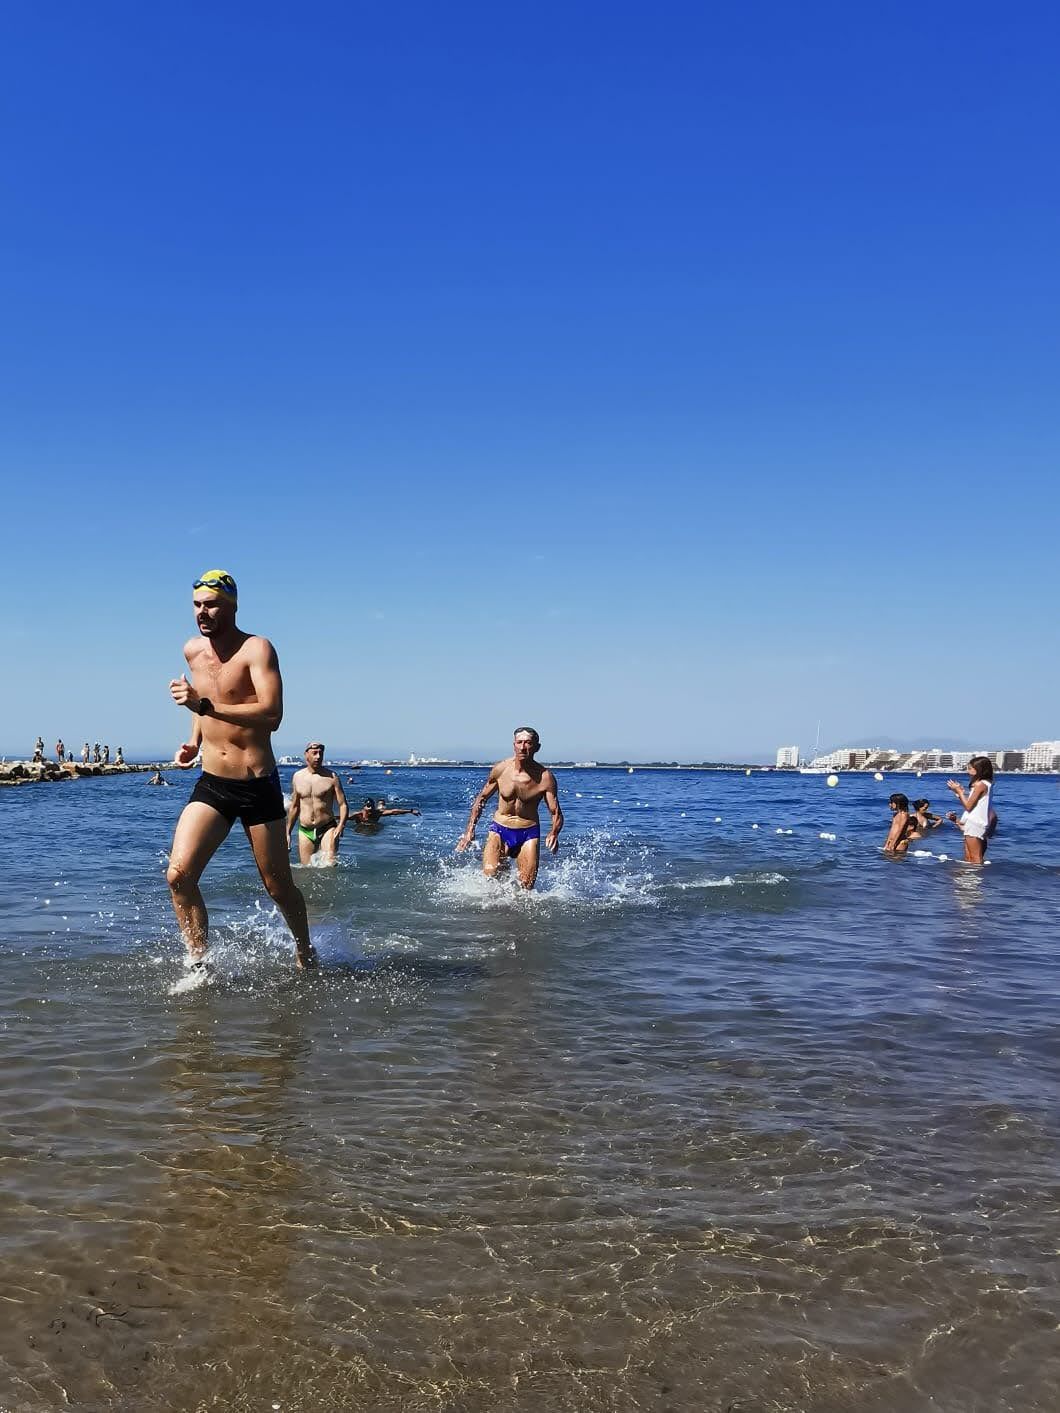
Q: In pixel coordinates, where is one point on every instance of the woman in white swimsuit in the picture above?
(978, 821)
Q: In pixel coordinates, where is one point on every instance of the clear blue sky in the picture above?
(668, 377)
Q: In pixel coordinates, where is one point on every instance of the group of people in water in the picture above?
(320, 813)
(977, 822)
(233, 693)
(234, 697)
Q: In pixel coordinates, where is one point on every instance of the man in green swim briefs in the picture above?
(314, 793)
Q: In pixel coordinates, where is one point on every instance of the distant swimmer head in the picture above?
(981, 768)
(527, 742)
(215, 598)
(899, 802)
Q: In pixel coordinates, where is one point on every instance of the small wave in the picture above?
(740, 880)
(402, 947)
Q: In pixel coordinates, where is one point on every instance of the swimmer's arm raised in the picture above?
(479, 805)
(552, 801)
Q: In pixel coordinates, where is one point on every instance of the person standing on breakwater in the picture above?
(84, 754)
(236, 699)
(315, 791)
(60, 751)
(515, 831)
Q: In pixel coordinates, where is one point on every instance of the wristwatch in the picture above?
(205, 706)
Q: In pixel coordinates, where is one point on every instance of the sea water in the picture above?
(720, 1117)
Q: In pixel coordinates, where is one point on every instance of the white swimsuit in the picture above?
(974, 822)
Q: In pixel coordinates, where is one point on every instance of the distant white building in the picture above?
(787, 756)
(1042, 755)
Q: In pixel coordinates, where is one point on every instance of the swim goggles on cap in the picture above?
(224, 582)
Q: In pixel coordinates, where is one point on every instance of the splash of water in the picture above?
(596, 870)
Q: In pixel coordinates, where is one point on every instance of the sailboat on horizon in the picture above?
(815, 769)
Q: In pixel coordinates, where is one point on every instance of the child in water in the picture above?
(978, 823)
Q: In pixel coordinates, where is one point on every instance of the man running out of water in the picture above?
(315, 792)
(520, 784)
(235, 698)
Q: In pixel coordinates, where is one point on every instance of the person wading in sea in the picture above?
(515, 831)
(235, 698)
(315, 791)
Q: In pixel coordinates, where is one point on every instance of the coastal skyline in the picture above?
(703, 372)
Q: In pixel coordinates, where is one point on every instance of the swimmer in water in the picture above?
(158, 779)
(235, 698)
(515, 832)
(924, 822)
(315, 791)
(366, 819)
(897, 840)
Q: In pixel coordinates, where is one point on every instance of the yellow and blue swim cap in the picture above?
(218, 581)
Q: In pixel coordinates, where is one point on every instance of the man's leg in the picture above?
(527, 860)
(273, 858)
(199, 834)
(329, 847)
(492, 855)
(306, 848)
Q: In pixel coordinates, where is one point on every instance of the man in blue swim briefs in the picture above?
(235, 698)
(521, 784)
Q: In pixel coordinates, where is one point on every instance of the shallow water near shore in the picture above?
(718, 1118)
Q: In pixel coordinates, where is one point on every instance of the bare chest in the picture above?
(222, 681)
(317, 787)
(516, 785)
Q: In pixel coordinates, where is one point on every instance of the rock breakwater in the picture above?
(25, 772)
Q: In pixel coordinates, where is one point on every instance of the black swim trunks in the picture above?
(255, 801)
